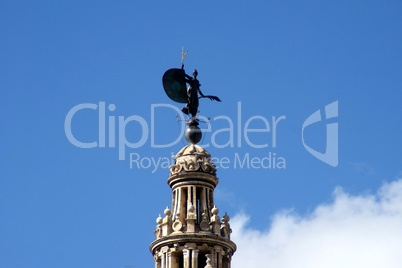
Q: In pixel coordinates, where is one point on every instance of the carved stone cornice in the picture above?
(192, 158)
(196, 238)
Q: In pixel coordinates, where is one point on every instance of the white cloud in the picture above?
(352, 231)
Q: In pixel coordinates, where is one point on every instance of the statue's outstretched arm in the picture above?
(215, 98)
(199, 90)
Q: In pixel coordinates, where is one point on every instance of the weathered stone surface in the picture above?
(192, 233)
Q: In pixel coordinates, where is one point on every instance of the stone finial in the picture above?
(204, 224)
(215, 210)
(158, 231)
(225, 226)
(167, 211)
(191, 209)
(159, 219)
(166, 225)
(226, 218)
(191, 212)
(215, 221)
(191, 218)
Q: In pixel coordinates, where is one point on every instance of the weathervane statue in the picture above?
(174, 82)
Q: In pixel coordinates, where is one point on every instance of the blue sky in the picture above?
(65, 206)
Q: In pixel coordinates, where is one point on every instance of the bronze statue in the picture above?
(174, 83)
(192, 94)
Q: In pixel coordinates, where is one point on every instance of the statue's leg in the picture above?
(193, 110)
(194, 106)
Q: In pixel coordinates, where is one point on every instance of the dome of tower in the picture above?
(193, 158)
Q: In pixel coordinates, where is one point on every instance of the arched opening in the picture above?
(181, 260)
(176, 257)
(202, 259)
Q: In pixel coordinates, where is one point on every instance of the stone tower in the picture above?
(191, 234)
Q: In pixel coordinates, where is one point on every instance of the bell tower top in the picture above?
(191, 234)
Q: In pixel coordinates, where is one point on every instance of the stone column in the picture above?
(218, 256)
(194, 200)
(170, 260)
(186, 258)
(195, 258)
(203, 202)
(229, 261)
(157, 260)
(189, 191)
(163, 260)
(212, 256)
